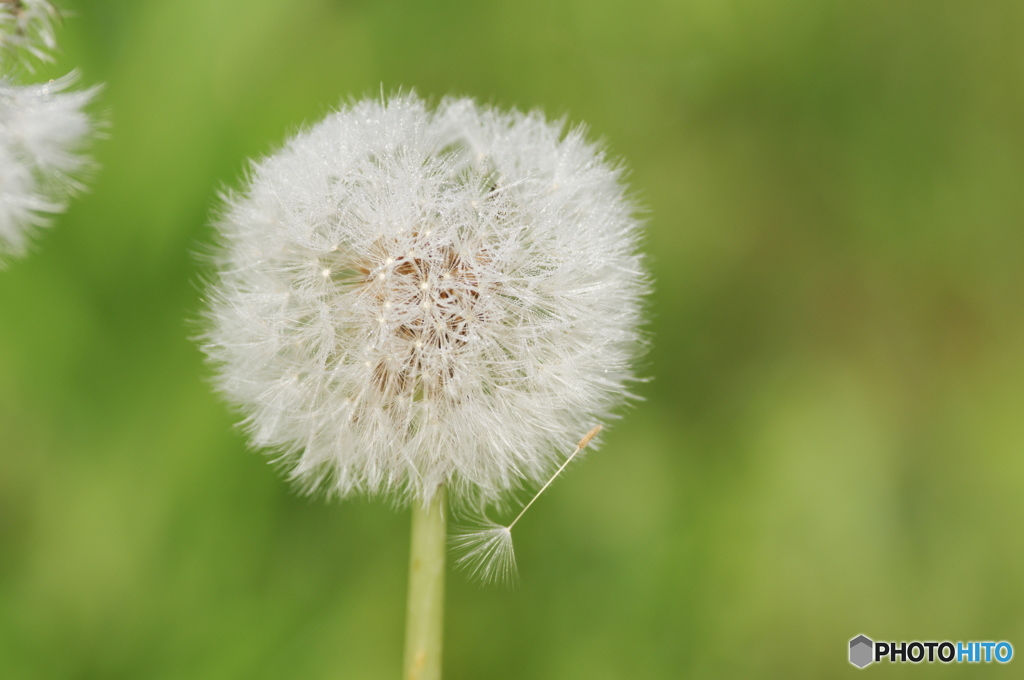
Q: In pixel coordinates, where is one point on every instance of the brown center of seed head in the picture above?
(428, 297)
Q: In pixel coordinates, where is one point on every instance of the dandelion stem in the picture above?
(425, 607)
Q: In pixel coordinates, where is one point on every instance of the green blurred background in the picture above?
(830, 444)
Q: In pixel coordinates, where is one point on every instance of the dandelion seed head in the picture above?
(451, 319)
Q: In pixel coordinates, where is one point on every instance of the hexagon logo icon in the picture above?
(861, 649)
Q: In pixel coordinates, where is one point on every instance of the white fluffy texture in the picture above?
(42, 127)
(407, 298)
(26, 27)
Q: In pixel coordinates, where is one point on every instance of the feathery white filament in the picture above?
(410, 297)
(486, 553)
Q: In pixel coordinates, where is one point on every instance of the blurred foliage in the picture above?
(831, 441)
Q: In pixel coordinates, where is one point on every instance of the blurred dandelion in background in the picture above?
(43, 126)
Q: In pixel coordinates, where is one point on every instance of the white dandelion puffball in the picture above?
(408, 297)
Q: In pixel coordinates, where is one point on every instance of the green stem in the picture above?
(425, 609)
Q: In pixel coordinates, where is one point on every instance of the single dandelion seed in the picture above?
(487, 552)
